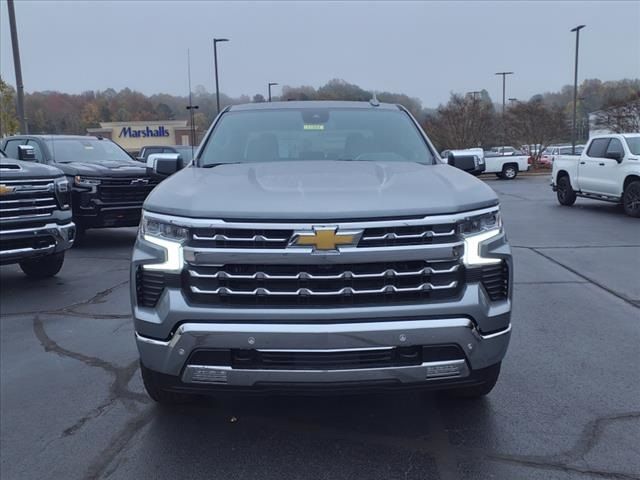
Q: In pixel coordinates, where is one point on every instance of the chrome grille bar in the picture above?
(226, 238)
(388, 273)
(417, 236)
(302, 292)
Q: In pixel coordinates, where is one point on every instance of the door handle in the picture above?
(601, 164)
(582, 163)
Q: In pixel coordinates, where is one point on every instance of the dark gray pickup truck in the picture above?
(35, 216)
(323, 247)
(107, 186)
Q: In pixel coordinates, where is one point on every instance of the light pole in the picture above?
(271, 84)
(513, 100)
(215, 67)
(17, 67)
(575, 90)
(504, 89)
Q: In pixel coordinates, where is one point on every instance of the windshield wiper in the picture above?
(211, 165)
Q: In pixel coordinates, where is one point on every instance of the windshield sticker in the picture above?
(314, 127)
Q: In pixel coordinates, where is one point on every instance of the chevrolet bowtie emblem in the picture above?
(5, 190)
(325, 238)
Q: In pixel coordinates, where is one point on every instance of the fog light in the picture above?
(446, 370)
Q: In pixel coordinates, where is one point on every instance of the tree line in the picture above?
(466, 120)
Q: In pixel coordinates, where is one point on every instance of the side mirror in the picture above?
(164, 164)
(468, 163)
(617, 156)
(140, 159)
(27, 153)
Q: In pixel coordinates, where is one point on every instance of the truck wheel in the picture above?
(509, 172)
(43, 267)
(157, 393)
(566, 195)
(477, 391)
(631, 199)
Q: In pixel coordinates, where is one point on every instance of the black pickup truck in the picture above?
(35, 216)
(108, 187)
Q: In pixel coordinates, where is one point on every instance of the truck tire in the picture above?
(477, 391)
(566, 194)
(43, 267)
(509, 171)
(631, 199)
(160, 395)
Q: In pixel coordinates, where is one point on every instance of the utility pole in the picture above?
(575, 90)
(271, 84)
(191, 107)
(474, 94)
(504, 101)
(215, 67)
(17, 67)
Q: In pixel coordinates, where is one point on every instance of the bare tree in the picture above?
(464, 122)
(534, 123)
(620, 117)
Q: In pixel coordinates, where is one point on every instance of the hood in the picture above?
(104, 169)
(319, 190)
(25, 170)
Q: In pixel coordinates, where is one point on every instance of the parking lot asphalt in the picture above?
(567, 405)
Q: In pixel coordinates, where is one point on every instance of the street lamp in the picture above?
(215, 67)
(271, 84)
(575, 90)
(504, 125)
(513, 100)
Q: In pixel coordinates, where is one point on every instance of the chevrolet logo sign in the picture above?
(325, 239)
(4, 190)
(139, 181)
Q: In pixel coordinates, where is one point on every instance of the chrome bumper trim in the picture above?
(224, 375)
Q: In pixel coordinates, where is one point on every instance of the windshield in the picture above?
(2, 154)
(85, 150)
(634, 144)
(315, 134)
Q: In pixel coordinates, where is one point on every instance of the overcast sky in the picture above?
(424, 49)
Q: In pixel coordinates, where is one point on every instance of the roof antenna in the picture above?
(374, 100)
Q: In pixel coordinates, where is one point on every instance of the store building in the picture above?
(132, 136)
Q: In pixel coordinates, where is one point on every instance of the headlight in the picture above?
(62, 192)
(476, 230)
(168, 236)
(86, 181)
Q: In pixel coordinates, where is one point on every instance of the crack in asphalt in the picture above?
(117, 391)
(117, 444)
(438, 447)
(590, 280)
(71, 310)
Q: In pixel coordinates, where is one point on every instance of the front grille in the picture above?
(122, 190)
(36, 243)
(334, 285)
(273, 238)
(149, 287)
(27, 198)
(494, 279)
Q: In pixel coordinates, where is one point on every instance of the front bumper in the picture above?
(17, 244)
(171, 357)
(89, 211)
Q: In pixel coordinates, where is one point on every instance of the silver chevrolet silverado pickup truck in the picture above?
(319, 247)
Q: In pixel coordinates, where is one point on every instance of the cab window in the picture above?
(615, 146)
(36, 150)
(11, 147)
(598, 148)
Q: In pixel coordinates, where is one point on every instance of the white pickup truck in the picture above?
(608, 169)
(505, 166)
